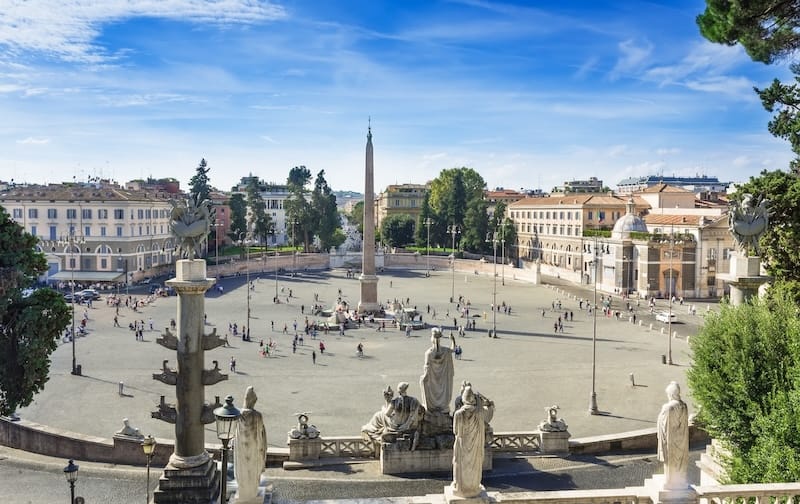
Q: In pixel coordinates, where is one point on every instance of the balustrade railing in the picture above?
(515, 442)
(343, 446)
(763, 493)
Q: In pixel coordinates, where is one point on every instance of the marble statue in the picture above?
(190, 223)
(129, 431)
(404, 415)
(250, 453)
(673, 439)
(747, 221)
(469, 423)
(374, 429)
(303, 429)
(553, 423)
(436, 382)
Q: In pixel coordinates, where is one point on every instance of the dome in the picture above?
(630, 222)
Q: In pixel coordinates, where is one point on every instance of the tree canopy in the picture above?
(29, 326)
(259, 222)
(397, 230)
(199, 187)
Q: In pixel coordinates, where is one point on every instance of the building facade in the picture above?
(399, 199)
(95, 233)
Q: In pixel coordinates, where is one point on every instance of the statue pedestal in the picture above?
(482, 497)
(654, 487)
(304, 450)
(395, 461)
(554, 442)
(196, 484)
(744, 278)
(264, 495)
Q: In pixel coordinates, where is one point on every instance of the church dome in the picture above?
(630, 222)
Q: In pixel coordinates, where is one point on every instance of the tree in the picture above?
(238, 208)
(451, 193)
(298, 209)
(745, 378)
(326, 214)
(199, 187)
(259, 221)
(356, 217)
(397, 230)
(29, 326)
(476, 226)
(767, 29)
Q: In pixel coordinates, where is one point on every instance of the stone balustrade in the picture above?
(765, 493)
(344, 446)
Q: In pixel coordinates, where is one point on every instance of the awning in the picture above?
(89, 276)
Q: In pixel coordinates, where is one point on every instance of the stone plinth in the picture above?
(369, 294)
(395, 461)
(554, 442)
(264, 495)
(303, 450)
(744, 278)
(481, 498)
(196, 485)
(654, 487)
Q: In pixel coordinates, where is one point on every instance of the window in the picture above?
(601, 215)
(119, 230)
(103, 263)
(140, 230)
(33, 213)
(119, 213)
(53, 233)
(102, 213)
(72, 213)
(33, 230)
(52, 213)
(102, 230)
(87, 231)
(72, 263)
(86, 213)
(561, 215)
(147, 214)
(589, 216)
(140, 213)
(17, 213)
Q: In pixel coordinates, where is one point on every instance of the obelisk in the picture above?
(368, 279)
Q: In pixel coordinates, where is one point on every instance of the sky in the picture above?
(529, 94)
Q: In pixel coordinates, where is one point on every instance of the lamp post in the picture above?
(242, 242)
(148, 447)
(71, 241)
(453, 230)
(491, 236)
(275, 233)
(670, 294)
(428, 223)
(71, 473)
(593, 397)
(503, 266)
(226, 417)
(216, 246)
(294, 248)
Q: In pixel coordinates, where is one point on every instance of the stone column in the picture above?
(190, 475)
(368, 279)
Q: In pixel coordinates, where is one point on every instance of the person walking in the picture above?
(233, 364)
(116, 321)
(313, 357)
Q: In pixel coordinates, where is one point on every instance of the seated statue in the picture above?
(553, 423)
(375, 428)
(404, 415)
(303, 429)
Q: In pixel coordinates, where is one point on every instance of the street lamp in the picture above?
(453, 230)
(294, 248)
(503, 242)
(226, 417)
(428, 223)
(71, 473)
(71, 241)
(491, 236)
(148, 447)
(593, 398)
(242, 242)
(669, 289)
(216, 246)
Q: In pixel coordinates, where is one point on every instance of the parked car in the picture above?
(666, 317)
(88, 294)
(154, 287)
(69, 298)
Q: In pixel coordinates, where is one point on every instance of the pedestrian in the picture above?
(233, 364)
(294, 346)
(313, 357)
(151, 323)
(321, 347)
(302, 309)
(116, 321)
(360, 350)
(272, 324)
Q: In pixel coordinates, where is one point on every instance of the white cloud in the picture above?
(631, 58)
(668, 151)
(67, 28)
(733, 86)
(617, 150)
(34, 141)
(269, 139)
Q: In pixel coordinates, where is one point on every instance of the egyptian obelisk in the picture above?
(368, 279)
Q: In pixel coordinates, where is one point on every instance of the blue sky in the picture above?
(529, 94)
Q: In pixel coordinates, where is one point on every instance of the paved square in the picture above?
(527, 368)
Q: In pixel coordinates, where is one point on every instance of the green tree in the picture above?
(199, 187)
(259, 221)
(448, 202)
(29, 326)
(745, 378)
(325, 212)
(397, 230)
(476, 226)
(238, 207)
(356, 217)
(299, 213)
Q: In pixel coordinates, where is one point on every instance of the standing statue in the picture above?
(469, 426)
(436, 382)
(250, 454)
(190, 223)
(673, 439)
(747, 221)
